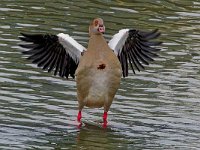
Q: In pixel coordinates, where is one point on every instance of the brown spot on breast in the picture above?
(101, 66)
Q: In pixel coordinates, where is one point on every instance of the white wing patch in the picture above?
(118, 40)
(72, 47)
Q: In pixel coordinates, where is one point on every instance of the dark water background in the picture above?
(155, 109)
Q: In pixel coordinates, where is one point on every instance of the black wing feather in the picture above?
(46, 51)
(132, 62)
(137, 62)
(138, 50)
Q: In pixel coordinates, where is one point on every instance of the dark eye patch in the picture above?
(96, 22)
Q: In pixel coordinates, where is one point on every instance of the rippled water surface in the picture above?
(158, 108)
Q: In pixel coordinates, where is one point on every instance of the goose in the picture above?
(97, 69)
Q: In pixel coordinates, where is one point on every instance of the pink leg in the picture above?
(105, 116)
(79, 116)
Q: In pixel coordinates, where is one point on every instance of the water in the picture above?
(155, 109)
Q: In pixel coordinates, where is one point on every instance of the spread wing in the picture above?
(59, 53)
(134, 48)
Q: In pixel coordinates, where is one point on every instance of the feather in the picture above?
(135, 47)
(53, 52)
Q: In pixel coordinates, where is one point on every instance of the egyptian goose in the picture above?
(98, 68)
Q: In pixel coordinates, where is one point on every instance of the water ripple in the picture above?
(154, 109)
